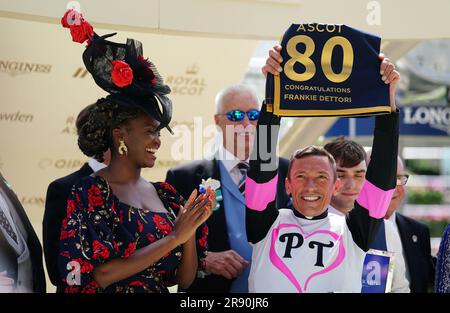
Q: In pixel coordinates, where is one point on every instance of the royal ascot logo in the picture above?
(49, 163)
(18, 117)
(14, 68)
(192, 70)
(189, 84)
(70, 128)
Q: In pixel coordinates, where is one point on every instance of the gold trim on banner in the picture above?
(275, 108)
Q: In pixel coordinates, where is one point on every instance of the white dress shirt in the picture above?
(400, 281)
(392, 219)
(230, 162)
(96, 165)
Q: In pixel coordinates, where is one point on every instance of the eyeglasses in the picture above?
(402, 179)
(238, 115)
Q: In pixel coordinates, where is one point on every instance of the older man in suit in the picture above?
(56, 205)
(229, 253)
(21, 268)
(415, 239)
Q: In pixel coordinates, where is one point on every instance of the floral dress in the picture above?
(99, 228)
(442, 281)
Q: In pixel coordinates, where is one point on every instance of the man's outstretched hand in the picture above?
(390, 76)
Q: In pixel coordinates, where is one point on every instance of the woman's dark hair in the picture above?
(95, 135)
(83, 117)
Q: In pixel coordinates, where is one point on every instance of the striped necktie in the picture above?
(4, 223)
(243, 167)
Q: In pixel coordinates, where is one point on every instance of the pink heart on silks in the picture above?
(278, 262)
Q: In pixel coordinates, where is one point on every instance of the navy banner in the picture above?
(328, 70)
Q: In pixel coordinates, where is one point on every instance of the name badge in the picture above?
(377, 271)
(328, 70)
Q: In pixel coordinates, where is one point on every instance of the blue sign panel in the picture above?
(424, 120)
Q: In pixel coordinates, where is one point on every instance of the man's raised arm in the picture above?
(262, 178)
(375, 196)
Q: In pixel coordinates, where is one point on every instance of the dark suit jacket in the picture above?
(34, 246)
(55, 211)
(415, 238)
(187, 177)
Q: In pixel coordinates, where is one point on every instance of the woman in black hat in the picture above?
(123, 233)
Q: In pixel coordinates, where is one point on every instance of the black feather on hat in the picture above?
(122, 71)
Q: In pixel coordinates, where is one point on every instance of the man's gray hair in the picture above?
(221, 95)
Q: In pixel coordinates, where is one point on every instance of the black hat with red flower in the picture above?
(121, 70)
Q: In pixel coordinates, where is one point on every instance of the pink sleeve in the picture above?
(258, 196)
(374, 199)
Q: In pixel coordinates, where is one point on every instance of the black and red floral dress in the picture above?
(99, 228)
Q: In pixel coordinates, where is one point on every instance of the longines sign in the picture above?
(427, 118)
(14, 68)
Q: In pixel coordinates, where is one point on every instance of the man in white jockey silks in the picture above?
(305, 248)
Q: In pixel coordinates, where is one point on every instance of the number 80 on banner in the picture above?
(327, 53)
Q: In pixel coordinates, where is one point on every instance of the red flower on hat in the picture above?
(71, 17)
(79, 28)
(121, 73)
(81, 33)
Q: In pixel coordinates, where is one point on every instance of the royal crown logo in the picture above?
(192, 70)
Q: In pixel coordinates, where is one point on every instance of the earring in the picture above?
(122, 147)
